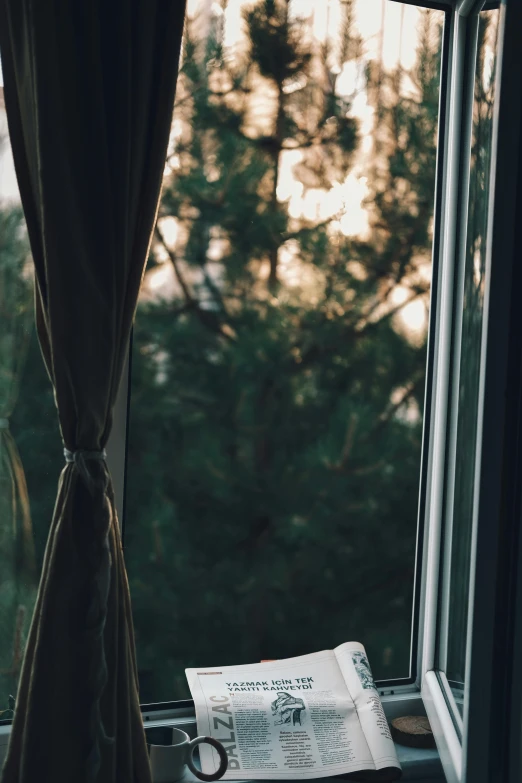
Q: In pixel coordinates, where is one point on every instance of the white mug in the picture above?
(168, 759)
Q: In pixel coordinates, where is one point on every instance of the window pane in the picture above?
(30, 443)
(472, 319)
(279, 349)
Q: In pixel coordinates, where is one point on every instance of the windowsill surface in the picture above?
(417, 765)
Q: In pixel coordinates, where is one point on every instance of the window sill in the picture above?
(417, 765)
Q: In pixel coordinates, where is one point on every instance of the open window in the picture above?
(280, 346)
(471, 519)
(317, 436)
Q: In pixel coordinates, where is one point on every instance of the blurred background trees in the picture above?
(277, 396)
(279, 351)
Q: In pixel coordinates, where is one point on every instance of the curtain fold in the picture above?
(89, 90)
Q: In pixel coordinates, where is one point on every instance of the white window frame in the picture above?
(432, 690)
(470, 746)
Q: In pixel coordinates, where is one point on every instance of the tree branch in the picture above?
(208, 318)
(369, 325)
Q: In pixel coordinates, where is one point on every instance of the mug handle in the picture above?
(223, 758)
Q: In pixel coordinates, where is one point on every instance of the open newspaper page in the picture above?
(293, 719)
(357, 675)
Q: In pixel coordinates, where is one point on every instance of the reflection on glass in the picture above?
(29, 436)
(473, 305)
(280, 342)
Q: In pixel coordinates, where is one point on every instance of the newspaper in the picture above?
(299, 718)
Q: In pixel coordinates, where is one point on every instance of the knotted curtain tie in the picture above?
(80, 458)
(81, 454)
(4, 424)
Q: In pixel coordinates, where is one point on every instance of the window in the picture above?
(279, 351)
(468, 669)
(278, 435)
(467, 341)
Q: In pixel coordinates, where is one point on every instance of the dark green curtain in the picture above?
(89, 89)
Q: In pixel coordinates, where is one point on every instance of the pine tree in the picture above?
(269, 413)
(273, 469)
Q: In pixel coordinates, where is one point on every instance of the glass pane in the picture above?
(30, 443)
(279, 349)
(472, 317)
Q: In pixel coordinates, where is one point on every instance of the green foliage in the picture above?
(272, 478)
(273, 475)
(276, 42)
